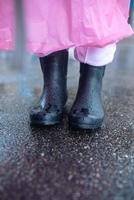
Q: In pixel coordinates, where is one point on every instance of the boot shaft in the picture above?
(54, 69)
(54, 66)
(91, 71)
(91, 76)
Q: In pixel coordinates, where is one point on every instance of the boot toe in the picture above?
(40, 118)
(85, 122)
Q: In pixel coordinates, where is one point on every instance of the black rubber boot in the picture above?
(50, 109)
(87, 111)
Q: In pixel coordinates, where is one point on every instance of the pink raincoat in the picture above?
(53, 25)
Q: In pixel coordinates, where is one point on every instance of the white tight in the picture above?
(96, 56)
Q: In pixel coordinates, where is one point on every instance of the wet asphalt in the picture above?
(57, 163)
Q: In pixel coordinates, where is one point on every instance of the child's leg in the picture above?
(87, 110)
(54, 95)
(96, 56)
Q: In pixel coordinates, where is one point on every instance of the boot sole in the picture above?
(44, 123)
(85, 126)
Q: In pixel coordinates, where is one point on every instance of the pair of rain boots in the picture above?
(87, 111)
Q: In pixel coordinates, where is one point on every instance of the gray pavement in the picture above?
(57, 163)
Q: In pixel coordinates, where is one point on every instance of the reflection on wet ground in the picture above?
(58, 163)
